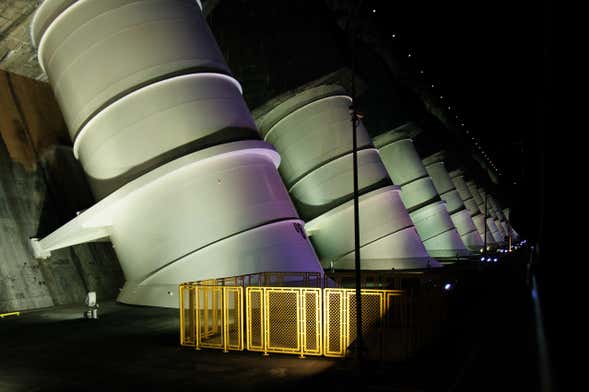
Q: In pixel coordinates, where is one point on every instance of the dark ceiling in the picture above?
(488, 60)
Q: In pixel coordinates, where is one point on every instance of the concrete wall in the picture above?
(42, 186)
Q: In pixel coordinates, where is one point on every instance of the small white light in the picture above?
(447, 286)
(433, 86)
(394, 35)
(488, 259)
(409, 55)
(373, 11)
(482, 258)
(495, 259)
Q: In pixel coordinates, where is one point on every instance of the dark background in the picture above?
(488, 60)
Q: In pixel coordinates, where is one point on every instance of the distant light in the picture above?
(433, 86)
(409, 55)
(448, 107)
(441, 97)
(421, 72)
(488, 259)
(495, 259)
(394, 35)
(373, 11)
(482, 258)
(447, 286)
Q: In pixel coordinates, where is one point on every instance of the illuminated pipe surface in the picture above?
(461, 217)
(496, 231)
(500, 220)
(514, 234)
(427, 210)
(312, 131)
(457, 177)
(162, 132)
(483, 220)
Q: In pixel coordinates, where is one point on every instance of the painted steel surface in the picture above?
(168, 146)
(461, 217)
(428, 210)
(312, 131)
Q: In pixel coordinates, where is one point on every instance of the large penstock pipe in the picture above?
(470, 203)
(496, 231)
(461, 216)
(312, 131)
(492, 241)
(427, 210)
(187, 190)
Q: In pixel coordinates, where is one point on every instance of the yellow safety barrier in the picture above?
(2, 315)
(396, 324)
(296, 320)
(340, 319)
(284, 320)
(211, 317)
(188, 314)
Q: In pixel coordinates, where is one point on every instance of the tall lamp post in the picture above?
(354, 113)
(485, 221)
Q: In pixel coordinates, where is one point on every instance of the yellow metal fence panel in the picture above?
(187, 315)
(210, 325)
(211, 317)
(372, 314)
(255, 319)
(233, 319)
(282, 318)
(312, 315)
(333, 305)
(293, 320)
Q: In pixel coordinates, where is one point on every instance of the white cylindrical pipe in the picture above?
(428, 211)
(128, 137)
(495, 214)
(386, 232)
(475, 192)
(313, 133)
(464, 190)
(95, 52)
(161, 130)
(434, 165)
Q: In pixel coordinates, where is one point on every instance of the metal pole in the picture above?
(485, 242)
(359, 338)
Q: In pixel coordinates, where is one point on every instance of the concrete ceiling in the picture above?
(17, 54)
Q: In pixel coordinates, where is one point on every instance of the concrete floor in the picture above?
(136, 348)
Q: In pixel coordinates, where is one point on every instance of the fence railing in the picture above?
(211, 317)
(288, 320)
